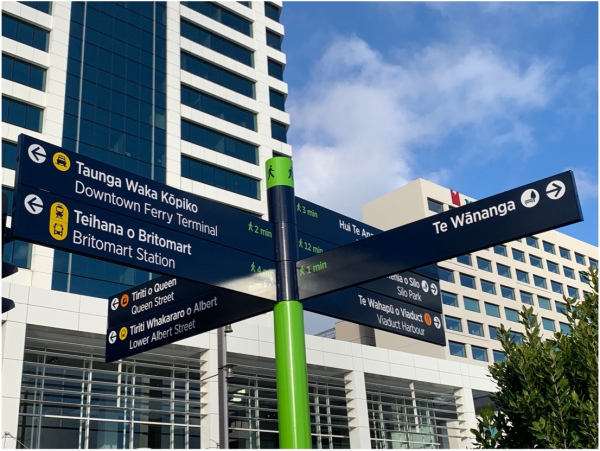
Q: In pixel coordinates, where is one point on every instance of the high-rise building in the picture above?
(191, 94)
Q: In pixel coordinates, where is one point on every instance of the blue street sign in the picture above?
(151, 297)
(534, 208)
(74, 176)
(181, 320)
(50, 220)
(380, 312)
(317, 224)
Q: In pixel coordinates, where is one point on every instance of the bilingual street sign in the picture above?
(51, 220)
(75, 176)
(178, 320)
(73, 203)
(317, 224)
(380, 312)
(151, 297)
(543, 205)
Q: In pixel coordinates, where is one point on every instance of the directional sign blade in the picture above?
(381, 312)
(520, 212)
(321, 229)
(201, 314)
(84, 229)
(151, 297)
(71, 175)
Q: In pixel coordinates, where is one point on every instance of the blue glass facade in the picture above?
(115, 111)
(217, 43)
(275, 69)
(277, 99)
(219, 108)
(217, 74)
(45, 7)
(274, 40)
(25, 33)
(219, 177)
(278, 131)
(272, 11)
(24, 73)
(222, 15)
(22, 114)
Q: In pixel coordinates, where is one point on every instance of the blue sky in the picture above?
(478, 97)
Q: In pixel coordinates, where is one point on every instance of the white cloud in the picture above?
(586, 182)
(359, 124)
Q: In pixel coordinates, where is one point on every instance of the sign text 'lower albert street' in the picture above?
(168, 309)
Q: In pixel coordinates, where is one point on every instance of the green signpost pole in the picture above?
(290, 349)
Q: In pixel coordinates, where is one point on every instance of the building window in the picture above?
(275, 69)
(219, 142)
(464, 259)
(583, 277)
(23, 73)
(492, 310)
(25, 33)
(217, 75)
(572, 292)
(467, 281)
(45, 7)
(539, 282)
(500, 249)
(522, 276)
(593, 262)
(471, 304)
(552, 267)
(272, 11)
(278, 131)
(453, 324)
(518, 255)
(526, 298)
(216, 107)
(535, 261)
(565, 253)
(274, 40)
(488, 287)
(9, 155)
(561, 307)
(479, 353)
(499, 356)
(580, 258)
(216, 43)
(548, 324)
(516, 337)
(449, 299)
(21, 114)
(484, 265)
(569, 272)
(475, 328)
(511, 314)
(549, 247)
(446, 274)
(503, 270)
(531, 241)
(276, 99)
(493, 333)
(544, 303)
(219, 177)
(435, 206)
(222, 15)
(507, 292)
(564, 328)
(457, 349)
(556, 287)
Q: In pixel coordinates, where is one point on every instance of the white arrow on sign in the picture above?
(114, 304)
(34, 204)
(112, 337)
(555, 189)
(37, 153)
(434, 289)
(437, 322)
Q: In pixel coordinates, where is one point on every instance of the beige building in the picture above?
(482, 290)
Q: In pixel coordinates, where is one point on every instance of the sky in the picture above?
(479, 97)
